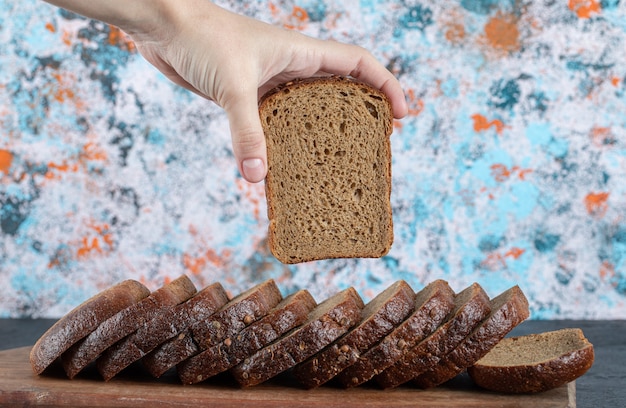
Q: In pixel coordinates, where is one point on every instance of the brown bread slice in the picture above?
(82, 320)
(432, 305)
(534, 363)
(327, 322)
(471, 307)
(507, 311)
(241, 311)
(124, 323)
(168, 323)
(287, 315)
(380, 316)
(328, 183)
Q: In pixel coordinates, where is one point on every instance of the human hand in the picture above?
(233, 60)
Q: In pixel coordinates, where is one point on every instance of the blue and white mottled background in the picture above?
(510, 169)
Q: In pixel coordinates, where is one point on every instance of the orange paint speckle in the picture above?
(6, 159)
(515, 253)
(607, 270)
(99, 237)
(602, 136)
(416, 106)
(502, 32)
(596, 203)
(481, 123)
(298, 19)
(585, 8)
(502, 173)
(50, 27)
(615, 81)
(455, 33)
(498, 260)
(118, 38)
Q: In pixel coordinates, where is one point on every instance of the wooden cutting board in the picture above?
(19, 386)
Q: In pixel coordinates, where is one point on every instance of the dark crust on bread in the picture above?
(471, 307)
(243, 310)
(289, 257)
(431, 306)
(507, 311)
(168, 323)
(287, 315)
(532, 378)
(82, 320)
(327, 322)
(380, 317)
(124, 323)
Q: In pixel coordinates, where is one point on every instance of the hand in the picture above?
(232, 60)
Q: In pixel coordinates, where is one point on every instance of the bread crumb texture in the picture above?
(329, 170)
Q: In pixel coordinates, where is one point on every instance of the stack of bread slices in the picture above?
(400, 336)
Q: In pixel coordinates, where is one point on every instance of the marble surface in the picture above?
(509, 169)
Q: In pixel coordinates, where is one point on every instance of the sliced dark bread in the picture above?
(287, 315)
(535, 362)
(124, 323)
(328, 182)
(241, 311)
(471, 307)
(327, 322)
(82, 320)
(507, 311)
(432, 305)
(380, 316)
(168, 323)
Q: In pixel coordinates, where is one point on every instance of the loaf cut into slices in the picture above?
(534, 363)
(432, 305)
(124, 323)
(508, 309)
(241, 311)
(287, 315)
(82, 320)
(380, 316)
(327, 322)
(328, 183)
(168, 323)
(471, 307)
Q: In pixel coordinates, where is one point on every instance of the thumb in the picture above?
(247, 137)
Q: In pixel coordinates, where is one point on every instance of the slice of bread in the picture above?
(124, 323)
(169, 322)
(432, 305)
(82, 320)
(328, 183)
(241, 311)
(471, 307)
(508, 309)
(327, 322)
(380, 316)
(287, 315)
(534, 363)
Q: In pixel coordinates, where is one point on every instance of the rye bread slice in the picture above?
(432, 305)
(287, 315)
(328, 182)
(124, 323)
(380, 316)
(471, 307)
(535, 362)
(241, 311)
(327, 322)
(508, 309)
(82, 320)
(168, 323)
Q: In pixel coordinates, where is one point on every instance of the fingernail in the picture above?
(253, 170)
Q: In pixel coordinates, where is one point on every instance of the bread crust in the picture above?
(471, 307)
(508, 309)
(230, 319)
(327, 322)
(334, 236)
(534, 377)
(168, 323)
(380, 316)
(287, 315)
(432, 305)
(82, 320)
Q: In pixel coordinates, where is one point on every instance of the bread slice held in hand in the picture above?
(535, 362)
(82, 320)
(328, 183)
